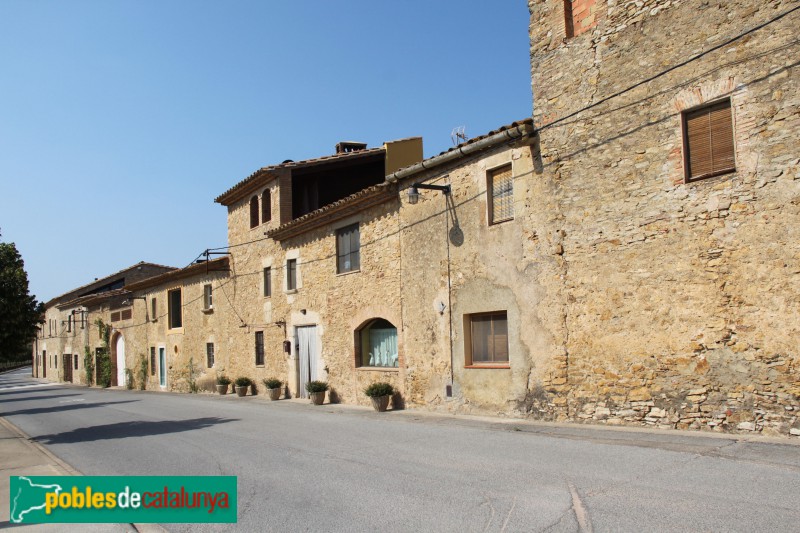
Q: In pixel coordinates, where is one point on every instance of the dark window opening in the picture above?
(253, 212)
(175, 310)
(259, 348)
(348, 249)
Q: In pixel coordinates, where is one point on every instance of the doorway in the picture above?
(162, 364)
(68, 367)
(307, 357)
(120, 360)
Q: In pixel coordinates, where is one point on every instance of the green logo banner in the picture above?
(122, 499)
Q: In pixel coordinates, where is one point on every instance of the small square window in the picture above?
(210, 354)
(708, 141)
(291, 274)
(175, 309)
(259, 348)
(208, 297)
(488, 339)
(268, 281)
(500, 188)
(348, 249)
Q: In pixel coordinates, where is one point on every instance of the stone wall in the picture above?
(682, 299)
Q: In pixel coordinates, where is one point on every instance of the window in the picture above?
(500, 185)
(210, 354)
(208, 297)
(259, 348)
(69, 324)
(267, 281)
(569, 28)
(152, 360)
(377, 343)
(175, 316)
(291, 274)
(266, 206)
(348, 246)
(708, 141)
(488, 339)
(153, 310)
(126, 314)
(76, 361)
(253, 212)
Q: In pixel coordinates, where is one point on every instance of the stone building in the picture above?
(65, 332)
(629, 255)
(668, 135)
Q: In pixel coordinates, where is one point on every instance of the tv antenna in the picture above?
(458, 135)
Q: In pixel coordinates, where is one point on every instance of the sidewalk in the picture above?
(21, 456)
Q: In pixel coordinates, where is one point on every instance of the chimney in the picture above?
(349, 146)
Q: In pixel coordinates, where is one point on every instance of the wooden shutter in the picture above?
(501, 187)
(709, 141)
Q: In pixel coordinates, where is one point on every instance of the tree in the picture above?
(20, 313)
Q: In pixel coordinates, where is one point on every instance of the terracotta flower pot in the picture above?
(222, 389)
(242, 391)
(317, 398)
(380, 403)
(274, 394)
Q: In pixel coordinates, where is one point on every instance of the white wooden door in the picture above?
(120, 361)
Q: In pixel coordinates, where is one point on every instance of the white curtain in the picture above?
(383, 347)
(307, 357)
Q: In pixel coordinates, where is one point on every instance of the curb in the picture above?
(30, 441)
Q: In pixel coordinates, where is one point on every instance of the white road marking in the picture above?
(32, 385)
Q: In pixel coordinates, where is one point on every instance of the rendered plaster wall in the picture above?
(498, 267)
(681, 300)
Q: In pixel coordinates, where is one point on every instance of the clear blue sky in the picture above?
(121, 121)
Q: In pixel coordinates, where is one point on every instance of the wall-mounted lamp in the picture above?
(413, 191)
(441, 306)
(129, 300)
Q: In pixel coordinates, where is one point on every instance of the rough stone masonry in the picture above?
(680, 300)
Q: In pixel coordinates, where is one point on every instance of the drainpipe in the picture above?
(511, 134)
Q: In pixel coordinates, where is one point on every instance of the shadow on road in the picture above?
(62, 407)
(121, 430)
(35, 399)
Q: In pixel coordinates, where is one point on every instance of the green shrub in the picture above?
(317, 386)
(128, 378)
(272, 383)
(243, 382)
(377, 390)
(88, 365)
(142, 372)
(222, 379)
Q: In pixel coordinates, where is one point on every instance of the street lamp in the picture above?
(413, 191)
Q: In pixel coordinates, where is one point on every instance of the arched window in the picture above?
(253, 211)
(377, 344)
(266, 206)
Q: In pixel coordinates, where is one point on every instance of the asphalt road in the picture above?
(336, 468)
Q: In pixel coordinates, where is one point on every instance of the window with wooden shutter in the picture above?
(500, 186)
(488, 339)
(708, 141)
(259, 348)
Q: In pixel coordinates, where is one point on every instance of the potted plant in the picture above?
(380, 393)
(317, 391)
(273, 386)
(242, 385)
(223, 382)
